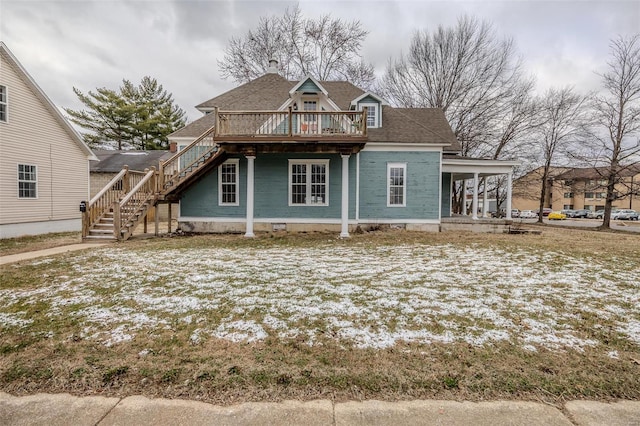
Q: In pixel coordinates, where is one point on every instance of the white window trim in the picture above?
(29, 181)
(235, 161)
(6, 104)
(324, 162)
(402, 166)
(378, 114)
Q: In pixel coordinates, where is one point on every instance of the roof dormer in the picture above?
(373, 103)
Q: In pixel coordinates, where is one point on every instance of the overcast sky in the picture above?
(96, 43)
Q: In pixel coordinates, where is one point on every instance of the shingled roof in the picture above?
(271, 91)
(113, 161)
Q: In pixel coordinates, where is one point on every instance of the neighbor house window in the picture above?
(588, 195)
(27, 180)
(601, 195)
(397, 187)
(568, 207)
(568, 195)
(308, 182)
(3, 103)
(372, 115)
(228, 183)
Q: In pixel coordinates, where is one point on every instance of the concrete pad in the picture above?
(586, 413)
(12, 258)
(141, 411)
(53, 410)
(510, 413)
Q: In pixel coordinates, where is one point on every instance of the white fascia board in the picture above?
(381, 146)
(478, 162)
(394, 221)
(301, 82)
(373, 95)
(48, 103)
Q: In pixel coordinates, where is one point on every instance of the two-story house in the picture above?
(44, 164)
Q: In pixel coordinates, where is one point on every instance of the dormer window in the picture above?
(372, 115)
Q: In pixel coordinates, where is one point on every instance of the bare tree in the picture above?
(615, 140)
(475, 78)
(326, 48)
(564, 116)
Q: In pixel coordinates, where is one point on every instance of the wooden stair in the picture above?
(115, 214)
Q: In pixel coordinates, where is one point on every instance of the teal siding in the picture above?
(201, 199)
(271, 197)
(446, 195)
(309, 87)
(422, 180)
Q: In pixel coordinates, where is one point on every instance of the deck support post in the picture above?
(156, 220)
(509, 189)
(474, 204)
(169, 219)
(464, 197)
(344, 229)
(250, 189)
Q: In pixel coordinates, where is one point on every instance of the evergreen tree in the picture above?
(134, 117)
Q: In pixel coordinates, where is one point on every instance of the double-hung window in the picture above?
(4, 106)
(372, 115)
(396, 184)
(228, 183)
(308, 182)
(27, 181)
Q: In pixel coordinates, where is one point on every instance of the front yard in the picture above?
(383, 315)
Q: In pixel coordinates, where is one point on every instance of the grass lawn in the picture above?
(385, 315)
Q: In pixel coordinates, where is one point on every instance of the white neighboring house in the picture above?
(44, 164)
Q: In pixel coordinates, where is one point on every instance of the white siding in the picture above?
(32, 135)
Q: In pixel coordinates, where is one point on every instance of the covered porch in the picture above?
(471, 171)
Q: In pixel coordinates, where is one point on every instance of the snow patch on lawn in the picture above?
(371, 297)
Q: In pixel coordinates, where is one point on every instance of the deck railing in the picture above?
(290, 123)
(176, 167)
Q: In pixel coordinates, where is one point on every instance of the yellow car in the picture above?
(557, 216)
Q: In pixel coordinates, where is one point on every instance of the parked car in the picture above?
(567, 212)
(598, 214)
(615, 213)
(627, 214)
(515, 213)
(528, 214)
(545, 211)
(582, 213)
(557, 216)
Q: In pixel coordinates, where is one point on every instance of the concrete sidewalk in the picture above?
(64, 409)
(12, 258)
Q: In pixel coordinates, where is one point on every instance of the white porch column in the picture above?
(464, 197)
(474, 204)
(509, 179)
(344, 230)
(250, 190)
(485, 207)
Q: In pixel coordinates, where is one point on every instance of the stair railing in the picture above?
(126, 211)
(171, 169)
(103, 200)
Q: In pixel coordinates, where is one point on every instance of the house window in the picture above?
(601, 195)
(397, 188)
(3, 104)
(372, 115)
(568, 195)
(228, 183)
(27, 181)
(568, 207)
(308, 183)
(588, 195)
